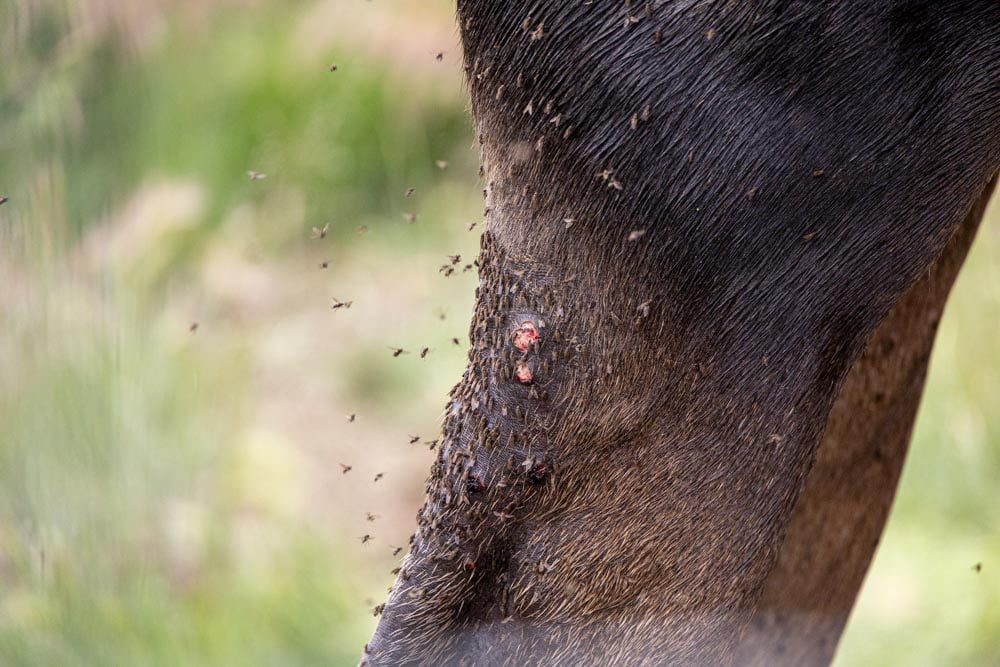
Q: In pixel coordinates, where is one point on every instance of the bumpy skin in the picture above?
(796, 169)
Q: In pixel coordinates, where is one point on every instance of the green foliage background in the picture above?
(170, 496)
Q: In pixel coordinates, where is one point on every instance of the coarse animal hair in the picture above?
(733, 227)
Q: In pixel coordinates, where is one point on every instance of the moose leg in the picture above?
(603, 492)
(840, 515)
(697, 218)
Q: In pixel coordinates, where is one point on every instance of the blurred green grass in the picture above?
(170, 496)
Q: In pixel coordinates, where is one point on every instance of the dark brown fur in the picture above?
(839, 518)
(754, 190)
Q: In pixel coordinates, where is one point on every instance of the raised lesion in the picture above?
(494, 458)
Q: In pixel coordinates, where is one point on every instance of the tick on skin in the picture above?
(538, 473)
(474, 484)
(525, 336)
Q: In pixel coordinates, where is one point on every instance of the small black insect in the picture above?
(538, 473)
(474, 484)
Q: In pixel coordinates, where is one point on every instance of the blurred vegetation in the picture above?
(175, 388)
